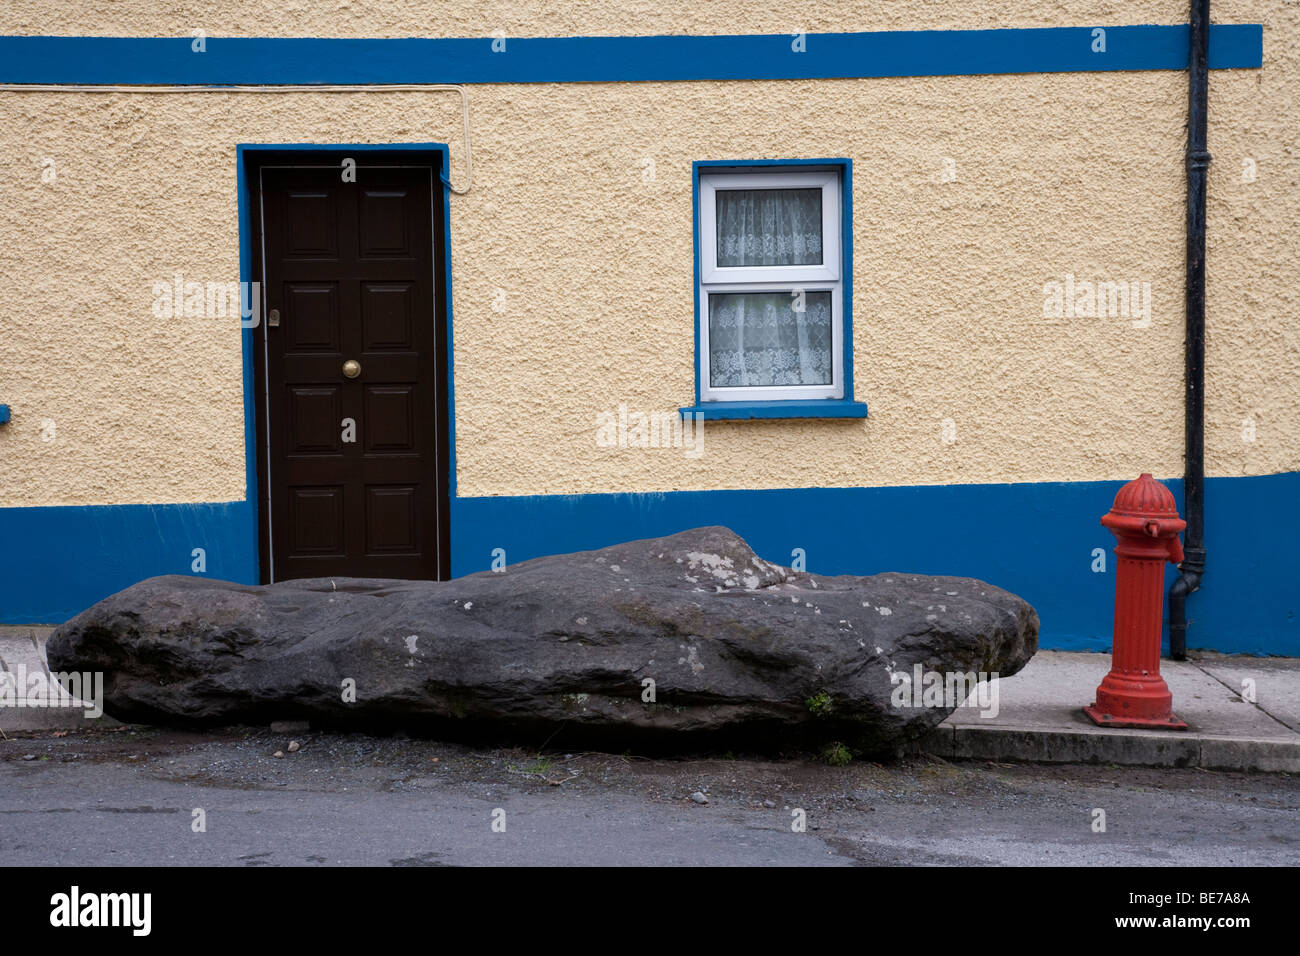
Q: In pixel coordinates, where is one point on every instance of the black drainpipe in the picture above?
(1198, 163)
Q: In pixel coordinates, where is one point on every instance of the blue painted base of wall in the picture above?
(1034, 539)
(56, 562)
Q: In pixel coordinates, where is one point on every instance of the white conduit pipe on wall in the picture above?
(303, 88)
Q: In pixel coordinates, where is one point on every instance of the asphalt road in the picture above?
(128, 797)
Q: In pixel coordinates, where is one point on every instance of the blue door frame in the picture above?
(245, 153)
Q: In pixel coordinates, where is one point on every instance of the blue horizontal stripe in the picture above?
(56, 562)
(1035, 539)
(266, 60)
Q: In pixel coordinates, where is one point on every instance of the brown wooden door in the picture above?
(351, 465)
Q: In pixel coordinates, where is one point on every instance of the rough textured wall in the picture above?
(1055, 174)
(406, 18)
(948, 291)
(1253, 286)
(144, 409)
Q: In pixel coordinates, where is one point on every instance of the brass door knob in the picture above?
(351, 368)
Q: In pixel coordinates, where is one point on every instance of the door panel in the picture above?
(351, 464)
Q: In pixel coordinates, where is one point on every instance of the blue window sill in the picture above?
(821, 408)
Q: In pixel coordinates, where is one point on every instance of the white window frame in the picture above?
(824, 277)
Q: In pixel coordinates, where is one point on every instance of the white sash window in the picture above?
(771, 310)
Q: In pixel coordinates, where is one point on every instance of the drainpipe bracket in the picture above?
(1193, 563)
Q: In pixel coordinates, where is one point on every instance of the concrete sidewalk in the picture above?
(1040, 716)
(22, 655)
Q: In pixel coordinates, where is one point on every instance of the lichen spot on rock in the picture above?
(715, 564)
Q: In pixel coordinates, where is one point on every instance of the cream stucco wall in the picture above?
(1253, 253)
(1056, 174)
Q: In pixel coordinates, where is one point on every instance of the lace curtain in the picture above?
(757, 338)
(769, 227)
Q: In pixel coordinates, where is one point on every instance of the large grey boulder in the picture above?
(735, 648)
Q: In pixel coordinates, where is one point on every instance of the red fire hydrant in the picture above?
(1145, 523)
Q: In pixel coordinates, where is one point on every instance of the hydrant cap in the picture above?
(1147, 497)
